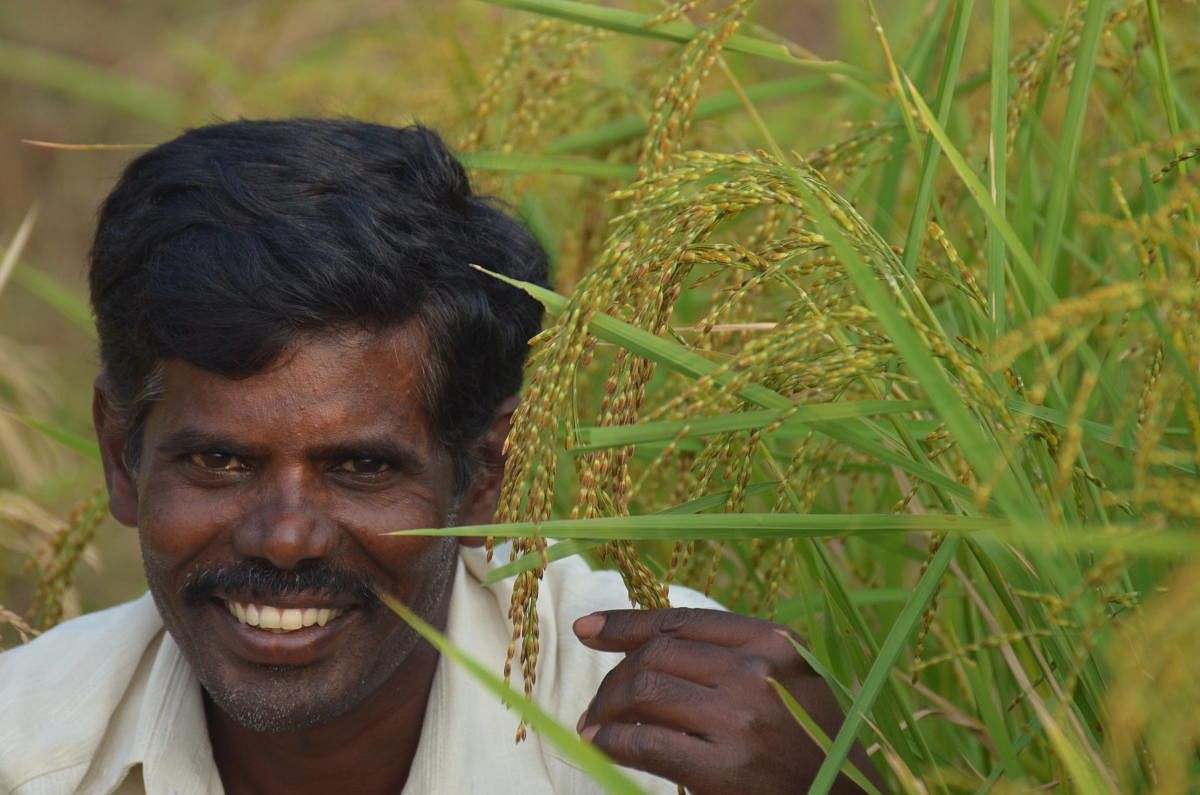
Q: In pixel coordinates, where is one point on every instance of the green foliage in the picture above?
(1029, 321)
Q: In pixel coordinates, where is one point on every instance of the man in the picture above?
(297, 359)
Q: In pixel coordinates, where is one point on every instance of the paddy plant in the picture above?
(929, 392)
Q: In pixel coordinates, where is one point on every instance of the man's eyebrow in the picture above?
(377, 447)
(380, 447)
(191, 440)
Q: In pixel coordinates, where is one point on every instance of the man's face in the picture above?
(262, 501)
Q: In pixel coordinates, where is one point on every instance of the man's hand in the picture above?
(691, 701)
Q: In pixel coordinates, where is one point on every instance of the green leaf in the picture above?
(585, 756)
(598, 438)
(88, 83)
(565, 549)
(818, 735)
(633, 127)
(57, 296)
(1166, 89)
(998, 164)
(670, 354)
(85, 447)
(981, 678)
(981, 195)
(881, 669)
(533, 215)
(979, 448)
(635, 24)
(547, 164)
(788, 609)
(929, 167)
(1098, 430)
(1166, 543)
(1062, 183)
(533, 560)
(647, 345)
(918, 64)
(715, 526)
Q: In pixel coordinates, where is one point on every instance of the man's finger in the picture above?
(652, 697)
(696, 661)
(623, 630)
(673, 755)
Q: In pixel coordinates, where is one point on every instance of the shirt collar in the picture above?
(172, 742)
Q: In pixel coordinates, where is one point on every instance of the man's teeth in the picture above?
(281, 619)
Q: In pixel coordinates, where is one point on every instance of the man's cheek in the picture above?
(178, 525)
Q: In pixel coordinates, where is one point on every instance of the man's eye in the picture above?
(365, 466)
(222, 462)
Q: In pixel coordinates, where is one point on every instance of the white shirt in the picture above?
(106, 703)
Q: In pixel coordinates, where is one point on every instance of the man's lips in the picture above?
(271, 633)
(280, 618)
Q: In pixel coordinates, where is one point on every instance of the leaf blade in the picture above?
(719, 526)
(589, 759)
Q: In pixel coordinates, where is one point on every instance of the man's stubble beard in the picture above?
(281, 699)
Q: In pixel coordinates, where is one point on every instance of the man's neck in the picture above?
(368, 750)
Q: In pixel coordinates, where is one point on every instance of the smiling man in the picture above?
(296, 360)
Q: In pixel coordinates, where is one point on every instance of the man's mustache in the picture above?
(261, 579)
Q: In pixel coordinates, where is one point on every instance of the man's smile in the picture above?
(281, 619)
(283, 630)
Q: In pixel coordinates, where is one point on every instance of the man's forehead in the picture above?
(392, 352)
(321, 382)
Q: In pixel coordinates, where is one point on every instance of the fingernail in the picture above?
(589, 626)
(579, 723)
(589, 733)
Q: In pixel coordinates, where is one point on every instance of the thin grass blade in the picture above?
(547, 164)
(87, 83)
(889, 652)
(635, 24)
(85, 447)
(565, 549)
(716, 526)
(8, 262)
(818, 736)
(601, 437)
(62, 299)
(590, 760)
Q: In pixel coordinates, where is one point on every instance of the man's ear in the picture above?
(112, 430)
(480, 500)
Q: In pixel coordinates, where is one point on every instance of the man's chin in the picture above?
(285, 682)
(276, 704)
(278, 698)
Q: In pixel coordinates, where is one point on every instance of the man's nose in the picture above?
(290, 526)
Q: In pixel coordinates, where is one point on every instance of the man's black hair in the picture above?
(224, 245)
